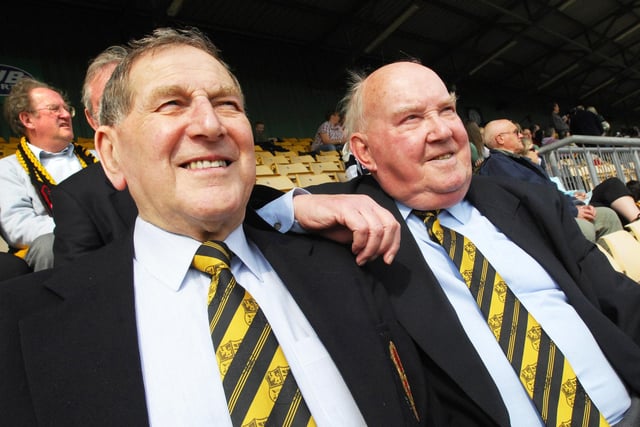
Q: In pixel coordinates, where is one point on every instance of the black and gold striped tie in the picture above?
(253, 368)
(544, 372)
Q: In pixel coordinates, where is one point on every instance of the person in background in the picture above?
(504, 138)
(330, 134)
(266, 142)
(559, 123)
(634, 189)
(477, 146)
(46, 156)
(584, 122)
(90, 212)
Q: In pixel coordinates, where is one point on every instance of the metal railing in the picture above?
(582, 162)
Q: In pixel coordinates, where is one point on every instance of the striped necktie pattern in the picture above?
(255, 374)
(543, 370)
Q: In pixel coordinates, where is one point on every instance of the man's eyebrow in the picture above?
(452, 99)
(174, 90)
(407, 108)
(165, 91)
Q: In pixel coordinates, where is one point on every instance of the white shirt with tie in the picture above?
(533, 286)
(181, 376)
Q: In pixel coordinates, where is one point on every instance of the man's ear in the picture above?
(106, 144)
(25, 119)
(90, 119)
(359, 147)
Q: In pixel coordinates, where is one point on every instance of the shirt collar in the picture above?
(40, 153)
(167, 256)
(246, 253)
(460, 212)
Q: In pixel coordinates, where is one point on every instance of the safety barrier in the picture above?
(582, 162)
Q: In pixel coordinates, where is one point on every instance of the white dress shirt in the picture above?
(23, 216)
(542, 297)
(181, 376)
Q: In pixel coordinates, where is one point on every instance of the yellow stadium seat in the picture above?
(625, 250)
(264, 170)
(278, 182)
(291, 169)
(323, 167)
(312, 179)
(616, 266)
(634, 228)
(303, 159)
(275, 160)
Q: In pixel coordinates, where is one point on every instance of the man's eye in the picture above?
(227, 105)
(170, 104)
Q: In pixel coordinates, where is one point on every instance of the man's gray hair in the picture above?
(117, 99)
(111, 55)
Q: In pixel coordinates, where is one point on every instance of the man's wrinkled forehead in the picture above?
(224, 83)
(394, 78)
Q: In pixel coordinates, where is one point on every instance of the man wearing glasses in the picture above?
(508, 158)
(46, 155)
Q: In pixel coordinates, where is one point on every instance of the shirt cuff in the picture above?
(280, 213)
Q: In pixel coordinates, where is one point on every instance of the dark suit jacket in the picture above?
(69, 353)
(506, 164)
(89, 213)
(538, 222)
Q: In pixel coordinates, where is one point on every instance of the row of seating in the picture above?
(622, 248)
(295, 167)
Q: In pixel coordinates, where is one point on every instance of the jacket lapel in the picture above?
(339, 316)
(100, 382)
(426, 313)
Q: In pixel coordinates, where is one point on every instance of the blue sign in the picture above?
(9, 76)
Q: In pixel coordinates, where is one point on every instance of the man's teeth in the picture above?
(444, 156)
(204, 164)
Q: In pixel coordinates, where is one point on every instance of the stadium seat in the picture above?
(278, 182)
(312, 179)
(625, 250)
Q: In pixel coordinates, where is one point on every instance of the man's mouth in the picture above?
(444, 156)
(206, 164)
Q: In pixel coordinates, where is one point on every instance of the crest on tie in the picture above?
(500, 287)
(528, 376)
(534, 334)
(569, 389)
(495, 323)
(256, 422)
(225, 354)
(470, 249)
(250, 309)
(275, 378)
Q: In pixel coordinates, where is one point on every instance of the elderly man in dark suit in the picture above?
(124, 336)
(497, 244)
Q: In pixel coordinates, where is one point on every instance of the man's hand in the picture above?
(350, 218)
(587, 212)
(580, 195)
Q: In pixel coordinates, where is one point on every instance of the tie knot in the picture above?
(427, 216)
(430, 219)
(212, 256)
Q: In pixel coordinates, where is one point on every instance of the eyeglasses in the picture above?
(516, 132)
(57, 109)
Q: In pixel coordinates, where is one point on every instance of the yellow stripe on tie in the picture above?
(267, 393)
